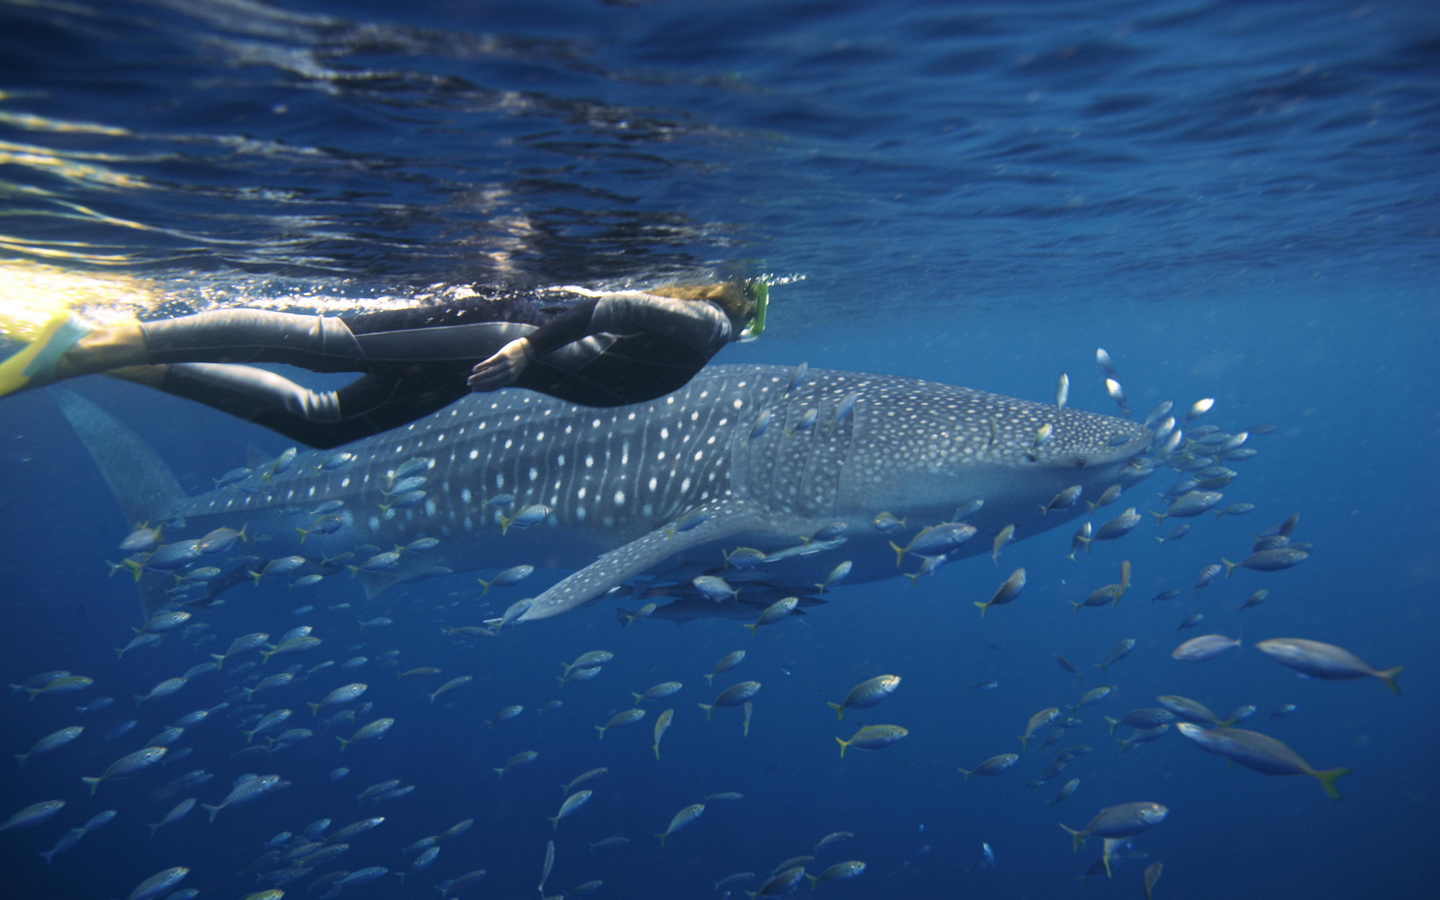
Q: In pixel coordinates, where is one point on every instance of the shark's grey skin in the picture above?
(663, 487)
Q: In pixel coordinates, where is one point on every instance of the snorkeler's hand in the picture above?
(502, 369)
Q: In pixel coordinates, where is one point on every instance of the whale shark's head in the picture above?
(932, 448)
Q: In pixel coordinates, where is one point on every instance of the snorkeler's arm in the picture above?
(700, 326)
(502, 369)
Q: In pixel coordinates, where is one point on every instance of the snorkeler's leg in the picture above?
(245, 392)
(317, 343)
(367, 406)
(67, 347)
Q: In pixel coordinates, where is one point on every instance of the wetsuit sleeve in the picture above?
(569, 326)
(699, 326)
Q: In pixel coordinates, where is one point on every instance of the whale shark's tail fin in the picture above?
(142, 483)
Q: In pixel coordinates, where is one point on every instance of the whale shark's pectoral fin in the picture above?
(711, 522)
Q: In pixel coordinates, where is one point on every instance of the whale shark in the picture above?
(808, 469)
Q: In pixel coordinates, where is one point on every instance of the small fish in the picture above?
(1040, 439)
(128, 765)
(1268, 560)
(873, 737)
(1065, 664)
(1066, 791)
(1117, 393)
(1199, 408)
(1189, 710)
(1109, 496)
(887, 523)
(519, 759)
(1125, 820)
(836, 575)
(589, 660)
(1261, 753)
(1207, 576)
(806, 423)
(1204, 647)
(659, 691)
(834, 837)
(773, 613)
(572, 803)
(1063, 500)
(298, 644)
(1152, 875)
(159, 883)
(732, 879)
(1003, 538)
(511, 576)
(1188, 505)
(725, 664)
(34, 814)
(278, 568)
(1062, 392)
(841, 871)
(681, 819)
(1283, 710)
(1006, 593)
(1142, 719)
(735, 695)
(1241, 714)
(1102, 359)
(1254, 599)
(1039, 720)
(1236, 509)
(178, 812)
(547, 866)
(1083, 536)
(49, 742)
(995, 765)
(1176, 533)
(688, 522)
(935, 540)
(1313, 659)
(61, 684)
(339, 697)
(662, 724)
(510, 712)
(1094, 695)
(984, 685)
(1117, 653)
(866, 694)
(623, 719)
(533, 514)
(1191, 621)
(713, 587)
(582, 778)
(630, 618)
(371, 732)
(1119, 526)
(451, 685)
(781, 884)
(762, 423)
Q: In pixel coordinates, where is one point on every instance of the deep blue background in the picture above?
(1237, 200)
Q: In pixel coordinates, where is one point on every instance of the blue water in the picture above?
(1236, 200)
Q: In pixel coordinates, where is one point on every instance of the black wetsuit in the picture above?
(610, 350)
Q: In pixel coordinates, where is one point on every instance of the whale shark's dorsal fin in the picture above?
(717, 521)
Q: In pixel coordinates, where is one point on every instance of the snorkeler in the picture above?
(610, 349)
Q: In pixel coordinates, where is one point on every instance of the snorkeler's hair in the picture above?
(731, 296)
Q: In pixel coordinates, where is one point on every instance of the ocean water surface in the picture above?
(1236, 200)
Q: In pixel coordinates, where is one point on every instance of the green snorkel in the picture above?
(759, 292)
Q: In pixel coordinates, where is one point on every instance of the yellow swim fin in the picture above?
(35, 365)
